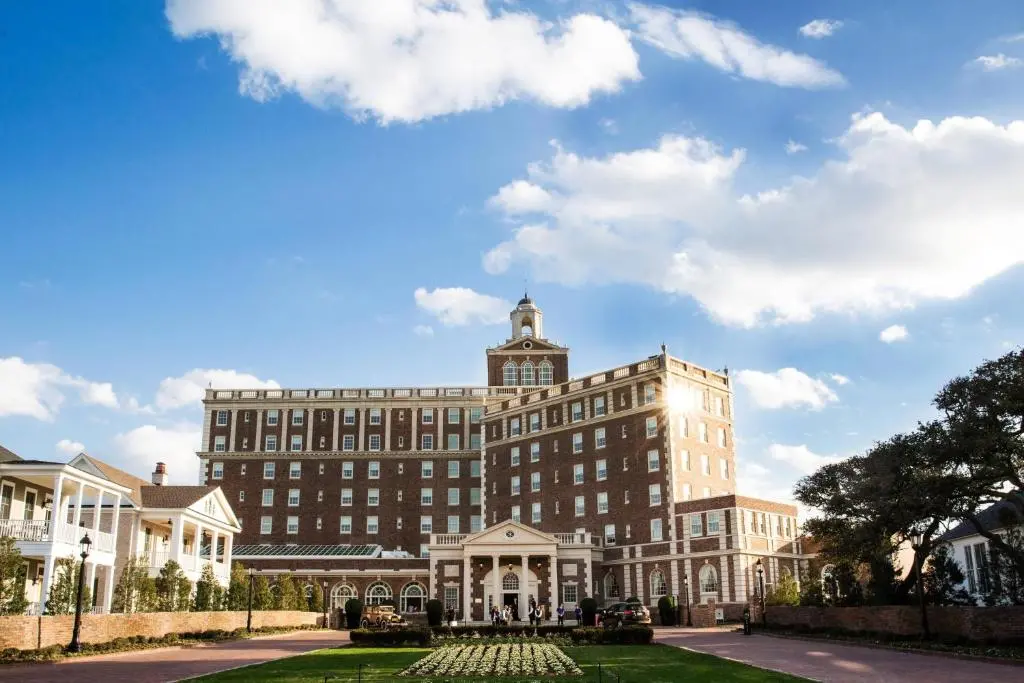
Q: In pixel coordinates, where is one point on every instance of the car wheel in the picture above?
(365, 623)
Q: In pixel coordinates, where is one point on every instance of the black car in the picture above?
(624, 613)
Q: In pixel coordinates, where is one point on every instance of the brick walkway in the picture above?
(172, 664)
(837, 663)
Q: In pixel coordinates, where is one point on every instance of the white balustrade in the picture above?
(25, 529)
(447, 539)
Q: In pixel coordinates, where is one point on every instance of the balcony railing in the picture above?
(359, 393)
(578, 538)
(25, 529)
(38, 531)
(447, 539)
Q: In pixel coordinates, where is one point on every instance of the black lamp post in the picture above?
(75, 645)
(248, 621)
(916, 542)
(686, 590)
(323, 601)
(760, 583)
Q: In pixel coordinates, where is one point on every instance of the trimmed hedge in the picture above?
(435, 612)
(627, 635)
(578, 635)
(589, 608)
(395, 636)
(488, 631)
(353, 612)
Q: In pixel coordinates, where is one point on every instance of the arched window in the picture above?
(510, 374)
(341, 593)
(510, 582)
(611, 586)
(528, 376)
(414, 597)
(547, 372)
(708, 580)
(378, 593)
(658, 587)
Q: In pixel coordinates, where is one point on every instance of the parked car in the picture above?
(624, 613)
(381, 616)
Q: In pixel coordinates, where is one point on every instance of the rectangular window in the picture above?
(535, 452)
(349, 416)
(268, 497)
(653, 461)
(713, 524)
(426, 524)
(602, 470)
(696, 525)
(348, 442)
(474, 496)
(534, 422)
(600, 440)
(684, 426)
(453, 524)
(323, 441)
(219, 444)
(345, 525)
(373, 497)
(569, 594)
(684, 460)
(424, 551)
(451, 598)
(723, 468)
(650, 393)
(426, 496)
(577, 474)
(625, 496)
(687, 492)
(453, 496)
(721, 437)
(293, 498)
(218, 470)
(372, 524)
(428, 416)
(515, 514)
(602, 503)
(427, 469)
(535, 482)
(475, 414)
(577, 442)
(474, 441)
(513, 456)
(535, 513)
(453, 469)
(427, 442)
(320, 496)
(981, 567)
(599, 408)
(476, 523)
(296, 442)
(474, 468)
(577, 411)
(294, 470)
(652, 427)
(453, 442)
(514, 428)
(719, 406)
(707, 493)
(655, 530)
(222, 418)
(581, 506)
(375, 416)
(609, 534)
(270, 444)
(654, 492)
(972, 586)
(346, 497)
(705, 465)
(454, 416)
(266, 525)
(297, 416)
(347, 470)
(702, 432)
(515, 485)
(272, 417)
(241, 496)
(374, 442)
(373, 469)
(268, 470)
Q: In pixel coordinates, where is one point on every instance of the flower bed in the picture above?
(495, 661)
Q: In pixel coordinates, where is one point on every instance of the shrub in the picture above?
(399, 636)
(489, 631)
(435, 612)
(589, 607)
(667, 610)
(353, 612)
(627, 635)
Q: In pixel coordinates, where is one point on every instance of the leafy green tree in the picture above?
(262, 597)
(173, 588)
(784, 592)
(135, 590)
(316, 598)
(943, 579)
(237, 598)
(287, 597)
(12, 578)
(64, 590)
(208, 594)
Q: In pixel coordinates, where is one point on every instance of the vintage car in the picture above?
(381, 616)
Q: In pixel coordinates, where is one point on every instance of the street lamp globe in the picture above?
(86, 545)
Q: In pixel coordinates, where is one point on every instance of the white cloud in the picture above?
(521, 196)
(38, 389)
(423, 331)
(997, 62)
(893, 333)
(793, 147)
(785, 388)
(189, 389)
(1015, 38)
(800, 457)
(462, 306)
(905, 215)
(140, 449)
(725, 46)
(409, 60)
(70, 447)
(820, 28)
(840, 379)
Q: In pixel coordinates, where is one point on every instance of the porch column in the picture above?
(553, 581)
(78, 508)
(177, 535)
(213, 545)
(44, 593)
(97, 509)
(90, 582)
(108, 592)
(229, 540)
(57, 506)
(115, 520)
(198, 547)
(467, 587)
(496, 581)
(524, 586)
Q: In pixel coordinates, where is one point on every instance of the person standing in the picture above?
(579, 615)
(561, 614)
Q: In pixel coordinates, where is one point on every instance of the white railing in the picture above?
(104, 541)
(25, 529)
(579, 538)
(34, 609)
(68, 533)
(447, 539)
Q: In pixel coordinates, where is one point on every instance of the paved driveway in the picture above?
(172, 664)
(838, 663)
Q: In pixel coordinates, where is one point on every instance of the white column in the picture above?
(337, 427)
(198, 543)
(553, 581)
(90, 583)
(361, 446)
(524, 586)
(387, 429)
(115, 520)
(467, 587)
(229, 542)
(234, 426)
(177, 534)
(496, 580)
(213, 545)
(464, 416)
(78, 507)
(97, 508)
(108, 589)
(258, 446)
(57, 508)
(44, 593)
(415, 417)
(309, 430)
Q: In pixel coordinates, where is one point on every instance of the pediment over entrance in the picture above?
(509, 533)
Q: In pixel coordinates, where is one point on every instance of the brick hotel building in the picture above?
(538, 485)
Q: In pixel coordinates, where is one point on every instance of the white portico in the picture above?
(510, 564)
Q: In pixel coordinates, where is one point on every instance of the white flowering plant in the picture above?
(542, 660)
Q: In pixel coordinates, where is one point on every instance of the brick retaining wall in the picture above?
(28, 633)
(980, 624)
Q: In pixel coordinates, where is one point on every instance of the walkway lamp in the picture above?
(248, 621)
(686, 590)
(917, 541)
(75, 645)
(760, 583)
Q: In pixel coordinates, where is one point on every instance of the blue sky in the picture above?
(253, 192)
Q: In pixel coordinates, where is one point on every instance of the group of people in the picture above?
(501, 616)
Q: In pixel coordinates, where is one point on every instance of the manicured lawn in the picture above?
(633, 663)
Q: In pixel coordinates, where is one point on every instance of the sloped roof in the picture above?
(119, 477)
(995, 516)
(7, 455)
(163, 497)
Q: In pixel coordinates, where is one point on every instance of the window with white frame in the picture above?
(708, 579)
(513, 456)
(347, 470)
(297, 417)
(713, 522)
(426, 524)
(474, 441)
(272, 418)
(706, 492)
(453, 442)
(474, 496)
(476, 523)
(348, 442)
(581, 506)
(453, 469)
(514, 514)
(535, 452)
(528, 375)
(426, 496)
(476, 414)
(656, 530)
(266, 524)
(652, 427)
(270, 443)
(375, 416)
(721, 437)
(345, 524)
(577, 442)
(696, 525)
(454, 416)
(609, 535)
(451, 598)
(372, 524)
(602, 503)
(510, 374)
(293, 498)
(374, 442)
(293, 525)
(720, 406)
(268, 470)
(373, 497)
(514, 427)
(296, 442)
(268, 497)
(601, 469)
(684, 460)
(453, 524)
(474, 468)
(534, 422)
(569, 593)
(427, 417)
(546, 372)
(705, 465)
(654, 493)
(217, 470)
(687, 492)
(346, 497)
(658, 586)
(600, 441)
(723, 468)
(294, 470)
(426, 469)
(515, 485)
(702, 432)
(219, 444)
(535, 513)
(373, 469)
(453, 496)
(427, 442)
(577, 411)
(222, 418)
(599, 407)
(650, 393)
(349, 416)
(627, 531)
(577, 474)
(535, 482)
(625, 496)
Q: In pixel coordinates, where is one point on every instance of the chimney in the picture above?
(160, 475)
